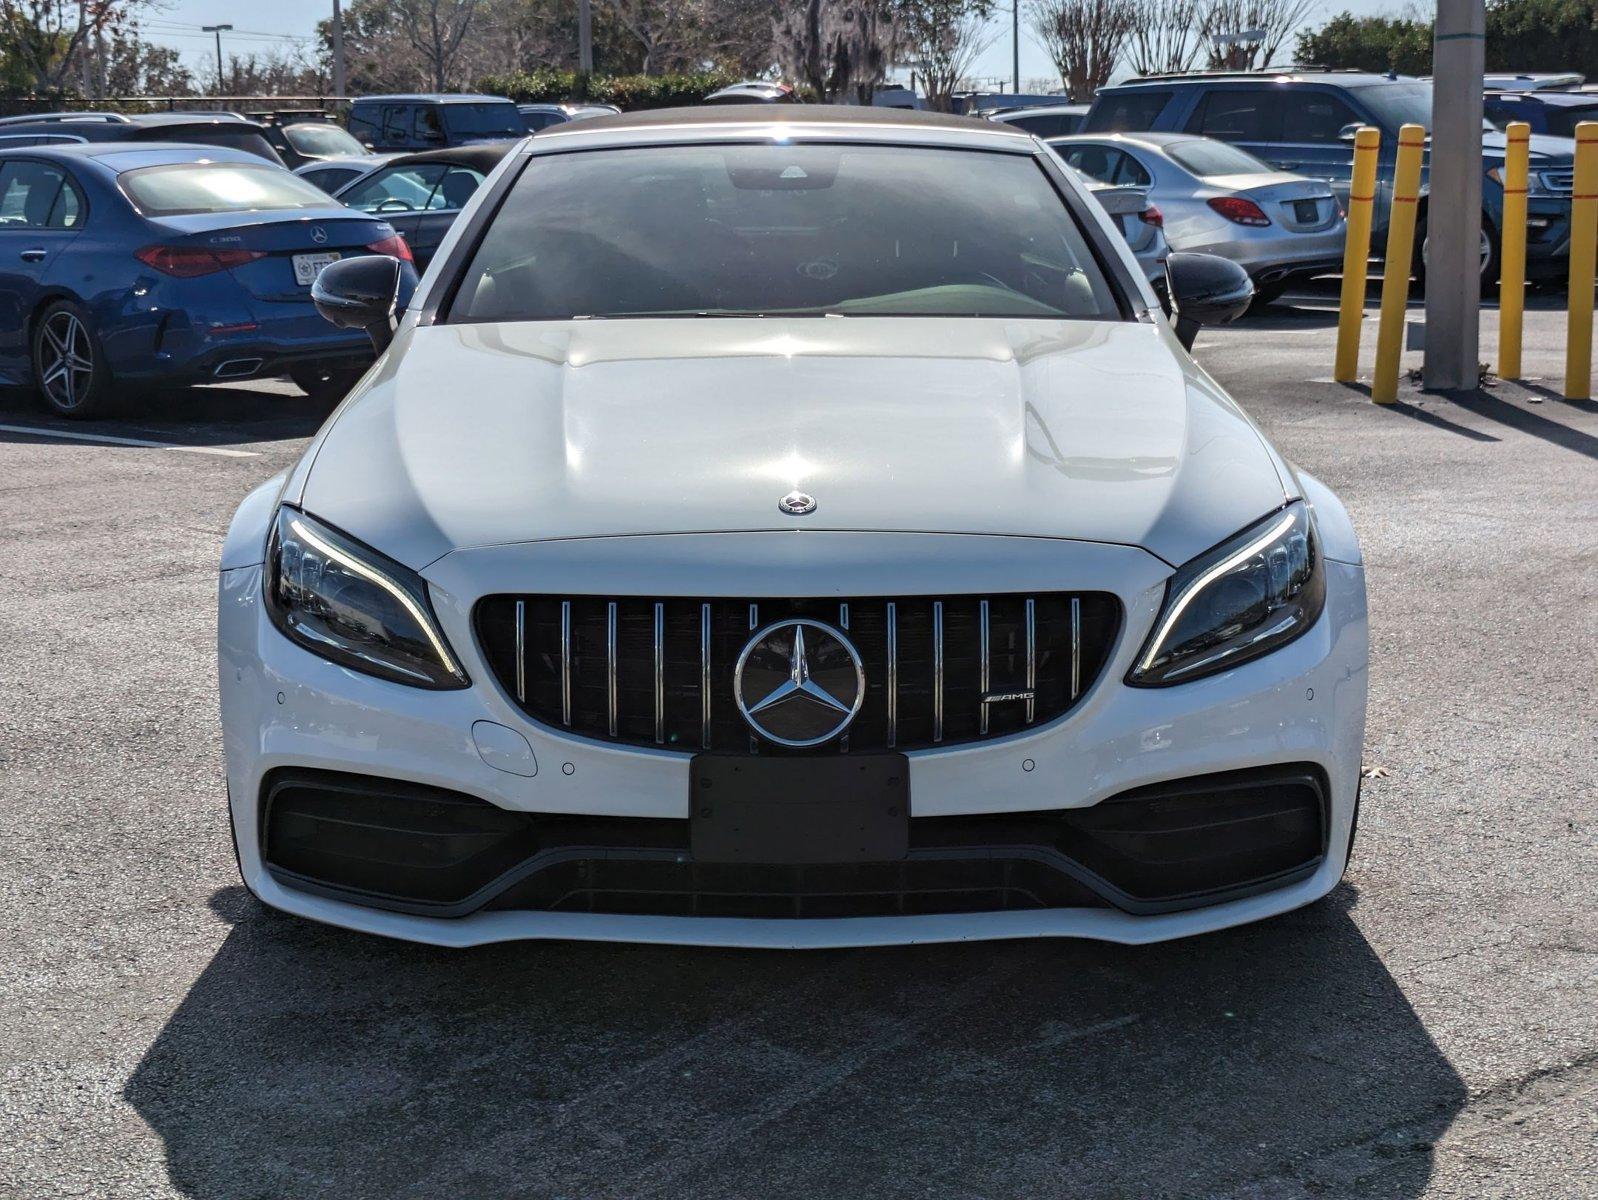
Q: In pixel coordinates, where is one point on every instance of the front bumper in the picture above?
(285, 710)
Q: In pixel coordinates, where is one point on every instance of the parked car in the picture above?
(200, 129)
(1044, 120)
(122, 266)
(1567, 81)
(1219, 199)
(1304, 122)
(433, 121)
(753, 91)
(1553, 113)
(333, 174)
(986, 104)
(542, 116)
(1141, 223)
(422, 194)
(630, 599)
(307, 137)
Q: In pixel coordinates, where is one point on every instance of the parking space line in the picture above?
(107, 439)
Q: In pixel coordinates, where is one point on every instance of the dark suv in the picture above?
(1304, 121)
(432, 121)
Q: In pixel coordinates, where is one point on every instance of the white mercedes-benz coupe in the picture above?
(789, 527)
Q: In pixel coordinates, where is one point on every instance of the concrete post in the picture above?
(1453, 213)
(339, 82)
(585, 37)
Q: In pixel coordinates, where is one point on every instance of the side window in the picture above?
(454, 189)
(69, 209)
(1096, 162)
(1314, 117)
(28, 195)
(363, 126)
(1130, 112)
(396, 124)
(396, 189)
(428, 129)
(1248, 115)
(1130, 173)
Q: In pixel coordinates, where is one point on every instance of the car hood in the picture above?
(473, 435)
(1545, 146)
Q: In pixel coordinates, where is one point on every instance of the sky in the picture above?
(263, 26)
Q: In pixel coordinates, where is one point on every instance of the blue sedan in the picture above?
(122, 267)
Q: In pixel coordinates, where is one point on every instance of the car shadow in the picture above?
(1279, 1058)
(215, 415)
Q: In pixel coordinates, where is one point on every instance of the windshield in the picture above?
(484, 120)
(1398, 104)
(182, 188)
(1204, 157)
(791, 230)
(322, 141)
(1563, 119)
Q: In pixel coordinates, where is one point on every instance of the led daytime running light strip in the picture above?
(388, 585)
(1203, 581)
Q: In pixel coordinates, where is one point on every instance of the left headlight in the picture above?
(1247, 596)
(350, 604)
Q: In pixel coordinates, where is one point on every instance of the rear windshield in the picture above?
(783, 230)
(181, 188)
(484, 120)
(1204, 156)
(323, 141)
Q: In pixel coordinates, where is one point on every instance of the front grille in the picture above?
(659, 672)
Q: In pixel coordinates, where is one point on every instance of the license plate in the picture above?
(308, 266)
(844, 808)
(1306, 211)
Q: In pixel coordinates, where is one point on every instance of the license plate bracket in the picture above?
(308, 266)
(792, 810)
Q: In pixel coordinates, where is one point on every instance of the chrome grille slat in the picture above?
(521, 652)
(657, 671)
(610, 662)
(660, 673)
(704, 676)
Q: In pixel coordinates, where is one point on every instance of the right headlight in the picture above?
(1247, 596)
(348, 603)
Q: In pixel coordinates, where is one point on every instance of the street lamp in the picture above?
(219, 30)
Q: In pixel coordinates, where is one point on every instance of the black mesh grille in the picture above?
(579, 653)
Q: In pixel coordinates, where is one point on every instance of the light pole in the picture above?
(585, 37)
(1015, 46)
(338, 49)
(219, 30)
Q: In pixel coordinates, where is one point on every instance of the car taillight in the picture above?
(395, 246)
(1152, 216)
(186, 262)
(1239, 211)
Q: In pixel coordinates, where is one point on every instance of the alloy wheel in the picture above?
(66, 361)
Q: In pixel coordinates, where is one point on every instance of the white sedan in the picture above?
(743, 538)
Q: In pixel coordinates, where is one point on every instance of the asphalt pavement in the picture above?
(1431, 1029)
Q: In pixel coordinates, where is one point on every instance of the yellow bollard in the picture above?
(1512, 274)
(1583, 245)
(1356, 253)
(1395, 268)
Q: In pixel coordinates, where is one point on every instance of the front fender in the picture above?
(245, 544)
(1338, 539)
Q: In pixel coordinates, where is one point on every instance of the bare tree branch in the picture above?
(1083, 38)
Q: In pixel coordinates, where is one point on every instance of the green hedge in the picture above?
(624, 91)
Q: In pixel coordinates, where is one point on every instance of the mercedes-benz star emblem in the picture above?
(799, 682)
(318, 234)
(797, 504)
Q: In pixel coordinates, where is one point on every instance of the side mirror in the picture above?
(1205, 290)
(1349, 132)
(360, 293)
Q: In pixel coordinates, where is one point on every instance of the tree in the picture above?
(1276, 21)
(435, 29)
(944, 39)
(1083, 38)
(1164, 36)
(1369, 44)
(839, 49)
(43, 40)
(664, 29)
